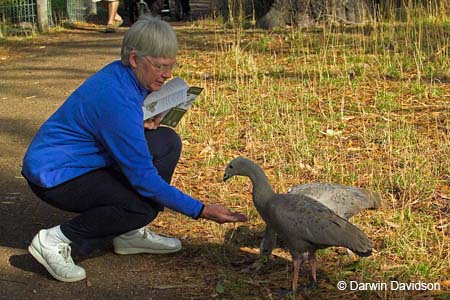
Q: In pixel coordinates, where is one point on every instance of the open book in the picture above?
(172, 101)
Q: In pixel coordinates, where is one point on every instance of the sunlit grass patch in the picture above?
(364, 106)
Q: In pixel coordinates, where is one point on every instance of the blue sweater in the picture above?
(101, 125)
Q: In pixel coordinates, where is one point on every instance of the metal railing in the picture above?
(22, 17)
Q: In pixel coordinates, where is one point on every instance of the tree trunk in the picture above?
(278, 13)
(307, 12)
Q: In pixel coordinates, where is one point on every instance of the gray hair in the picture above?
(149, 36)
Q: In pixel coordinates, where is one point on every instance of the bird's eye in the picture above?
(230, 166)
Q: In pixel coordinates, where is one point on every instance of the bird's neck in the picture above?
(262, 190)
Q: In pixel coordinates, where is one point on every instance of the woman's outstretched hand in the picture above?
(220, 214)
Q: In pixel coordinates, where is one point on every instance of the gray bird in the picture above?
(303, 223)
(345, 201)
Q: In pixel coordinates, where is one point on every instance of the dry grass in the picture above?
(366, 106)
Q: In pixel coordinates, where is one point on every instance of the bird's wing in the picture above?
(300, 219)
(344, 200)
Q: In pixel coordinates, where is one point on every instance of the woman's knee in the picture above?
(163, 141)
(141, 212)
(173, 138)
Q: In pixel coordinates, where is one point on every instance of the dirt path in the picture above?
(34, 80)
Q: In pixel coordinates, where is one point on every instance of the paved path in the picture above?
(35, 78)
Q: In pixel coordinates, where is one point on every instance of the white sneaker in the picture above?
(144, 240)
(56, 259)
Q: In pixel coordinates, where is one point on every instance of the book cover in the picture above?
(172, 101)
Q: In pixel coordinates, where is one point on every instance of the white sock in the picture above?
(56, 236)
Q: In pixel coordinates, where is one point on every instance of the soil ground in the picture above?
(35, 78)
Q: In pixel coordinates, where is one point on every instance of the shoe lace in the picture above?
(149, 233)
(65, 251)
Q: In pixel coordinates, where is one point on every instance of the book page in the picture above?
(170, 95)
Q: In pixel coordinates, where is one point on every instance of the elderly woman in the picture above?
(95, 156)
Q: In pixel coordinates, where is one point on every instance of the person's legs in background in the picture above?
(113, 16)
(186, 9)
(114, 20)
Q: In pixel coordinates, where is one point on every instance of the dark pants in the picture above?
(186, 7)
(107, 204)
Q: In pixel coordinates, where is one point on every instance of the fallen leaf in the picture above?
(392, 224)
(331, 132)
(445, 283)
(249, 250)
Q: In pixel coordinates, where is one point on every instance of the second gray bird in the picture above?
(346, 201)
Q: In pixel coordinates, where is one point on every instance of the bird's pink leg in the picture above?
(312, 262)
(296, 262)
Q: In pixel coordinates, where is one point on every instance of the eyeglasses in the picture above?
(161, 68)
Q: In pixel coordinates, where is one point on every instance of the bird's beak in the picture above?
(226, 176)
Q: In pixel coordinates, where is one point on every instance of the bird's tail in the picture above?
(357, 241)
(364, 254)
